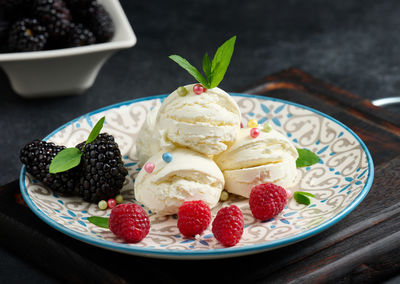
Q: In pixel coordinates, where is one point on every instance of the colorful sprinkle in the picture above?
(182, 91)
(254, 132)
(167, 157)
(119, 199)
(252, 123)
(224, 196)
(266, 127)
(111, 203)
(149, 167)
(102, 205)
(289, 193)
(199, 89)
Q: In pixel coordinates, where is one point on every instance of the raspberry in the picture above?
(267, 200)
(228, 225)
(193, 217)
(130, 222)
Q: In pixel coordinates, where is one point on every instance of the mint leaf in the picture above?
(71, 157)
(221, 61)
(214, 70)
(191, 69)
(99, 221)
(306, 193)
(301, 197)
(306, 158)
(95, 131)
(65, 159)
(207, 67)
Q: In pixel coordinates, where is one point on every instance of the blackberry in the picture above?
(55, 15)
(103, 172)
(4, 26)
(27, 35)
(96, 18)
(77, 6)
(16, 9)
(37, 157)
(100, 22)
(80, 36)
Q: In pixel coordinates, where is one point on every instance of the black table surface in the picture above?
(351, 44)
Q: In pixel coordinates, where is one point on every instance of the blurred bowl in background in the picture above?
(66, 71)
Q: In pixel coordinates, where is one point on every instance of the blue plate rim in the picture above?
(222, 252)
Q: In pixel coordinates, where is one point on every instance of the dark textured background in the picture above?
(352, 44)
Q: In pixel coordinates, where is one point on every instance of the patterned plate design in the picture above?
(339, 181)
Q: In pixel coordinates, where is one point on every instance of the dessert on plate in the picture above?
(192, 150)
(199, 125)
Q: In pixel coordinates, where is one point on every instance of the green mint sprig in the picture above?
(306, 158)
(69, 158)
(302, 197)
(102, 222)
(214, 70)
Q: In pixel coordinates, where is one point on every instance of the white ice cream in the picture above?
(146, 144)
(189, 176)
(270, 157)
(207, 123)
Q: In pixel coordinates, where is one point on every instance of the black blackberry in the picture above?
(4, 26)
(16, 9)
(37, 157)
(100, 22)
(103, 172)
(55, 15)
(95, 17)
(77, 6)
(80, 36)
(27, 35)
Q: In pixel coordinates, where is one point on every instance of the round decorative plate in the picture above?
(339, 182)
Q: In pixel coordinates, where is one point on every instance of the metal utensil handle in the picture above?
(386, 101)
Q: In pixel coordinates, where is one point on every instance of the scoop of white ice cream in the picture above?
(270, 157)
(189, 176)
(207, 123)
(146, 144)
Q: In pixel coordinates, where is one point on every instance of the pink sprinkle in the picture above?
(289, 193)
(254, 132)
(149, 167)
(241, 125)
(111, 203)
(198, 89)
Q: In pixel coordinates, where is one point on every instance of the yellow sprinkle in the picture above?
(252, 123)
(267, 127)
(119, 199)
(182, 91)
(102, 205)
(224, 196)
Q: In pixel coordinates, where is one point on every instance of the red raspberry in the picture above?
(267, 200)
(130, 222)
(193, 217)
(228, 225)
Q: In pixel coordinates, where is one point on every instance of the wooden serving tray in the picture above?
(363, 247)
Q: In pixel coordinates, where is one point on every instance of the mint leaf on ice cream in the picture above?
(214, 70)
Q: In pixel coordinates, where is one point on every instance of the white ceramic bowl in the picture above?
(70, 70)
